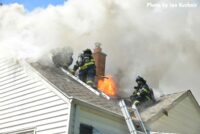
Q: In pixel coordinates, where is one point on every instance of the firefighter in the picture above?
(142, 92)
(86, 66)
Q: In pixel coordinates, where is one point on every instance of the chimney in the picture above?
(100, 60)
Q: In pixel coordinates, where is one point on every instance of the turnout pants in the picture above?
(88, 75)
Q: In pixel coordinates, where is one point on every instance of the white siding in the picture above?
(184, 118)
(27, 102)
(101, 122)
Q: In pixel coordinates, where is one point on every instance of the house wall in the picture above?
(101, 122)
(184, 118)
(28, 102)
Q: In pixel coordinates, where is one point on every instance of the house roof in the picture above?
(76, 90)
(165, 103)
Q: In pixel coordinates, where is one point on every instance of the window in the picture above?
(86, 129)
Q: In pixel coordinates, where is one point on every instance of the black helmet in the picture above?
(140, 79)
(87, 51)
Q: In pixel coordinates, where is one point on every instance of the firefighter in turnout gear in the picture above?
(86, 66)
(142, 92)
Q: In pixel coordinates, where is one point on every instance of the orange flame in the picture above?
(107, 85)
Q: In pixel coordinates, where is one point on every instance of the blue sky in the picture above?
(32, 4)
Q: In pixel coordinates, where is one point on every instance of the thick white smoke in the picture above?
(161, 44)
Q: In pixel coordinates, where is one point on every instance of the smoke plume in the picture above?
(161, 44)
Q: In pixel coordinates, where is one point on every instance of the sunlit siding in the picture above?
(26, 102)
(184, 118)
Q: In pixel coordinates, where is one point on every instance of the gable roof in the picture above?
(74, 89)
(166, 103)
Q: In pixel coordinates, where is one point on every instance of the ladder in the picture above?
(129, 122)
